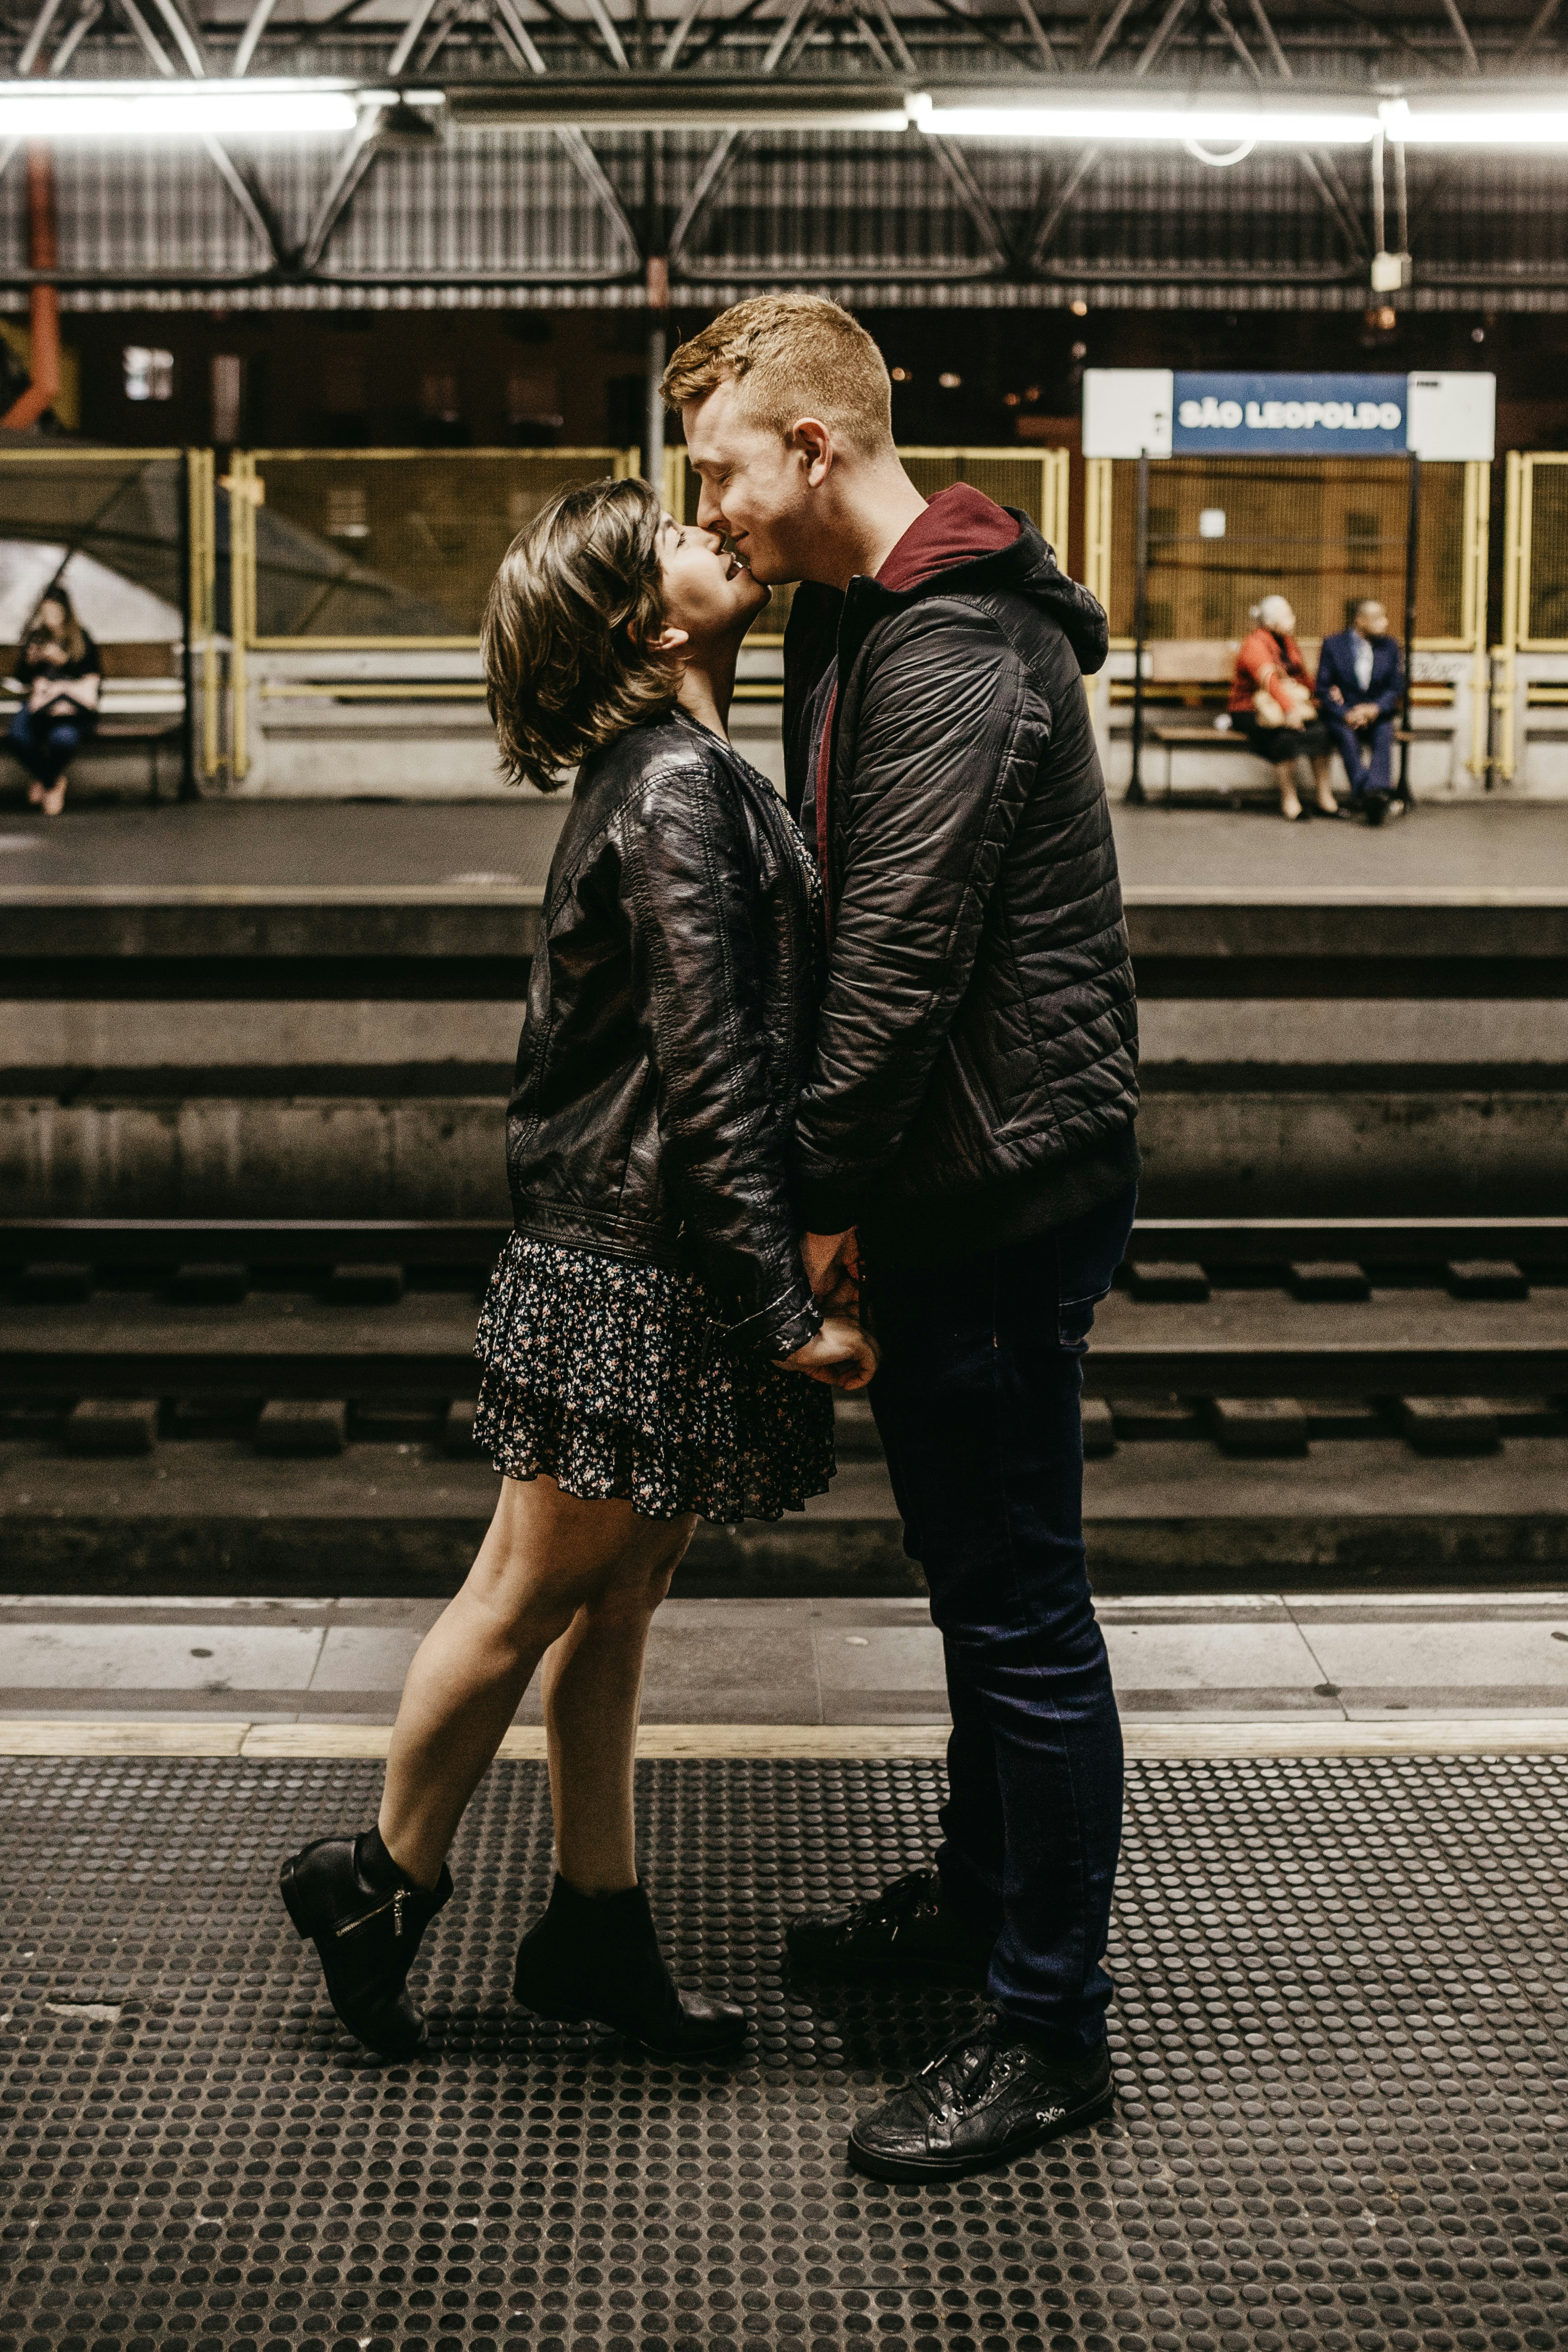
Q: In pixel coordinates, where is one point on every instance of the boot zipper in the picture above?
(394, 1903)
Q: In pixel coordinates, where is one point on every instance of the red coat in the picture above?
(1259, 662)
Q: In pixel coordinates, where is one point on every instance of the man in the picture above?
(1361, 685)
(970, 1116)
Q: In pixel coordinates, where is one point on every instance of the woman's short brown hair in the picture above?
(68, 635)
(567, 630)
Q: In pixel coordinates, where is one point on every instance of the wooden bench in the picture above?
(1198, 673)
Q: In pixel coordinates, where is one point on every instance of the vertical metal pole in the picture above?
(653, 423)
(1135, 792)
(1411, 570)
(190, 790)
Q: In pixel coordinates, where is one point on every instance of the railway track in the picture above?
(286, 1406)
(186, 1316)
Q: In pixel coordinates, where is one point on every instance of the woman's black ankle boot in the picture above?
(365, 1917)
(597, 1956)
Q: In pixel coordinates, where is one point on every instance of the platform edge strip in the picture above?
(1174, 1740)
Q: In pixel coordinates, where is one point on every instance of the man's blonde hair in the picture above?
(794, 355)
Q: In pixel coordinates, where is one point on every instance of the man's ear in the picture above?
(812, 438)
(670, 640)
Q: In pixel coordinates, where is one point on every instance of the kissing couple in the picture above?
(791, 1077)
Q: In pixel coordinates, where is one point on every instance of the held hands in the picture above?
(1363, 715)
(841, 1354)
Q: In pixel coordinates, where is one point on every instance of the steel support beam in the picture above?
(1462, 35)
(33, 47)
(256, 25)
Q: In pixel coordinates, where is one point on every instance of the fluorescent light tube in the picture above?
(1459, 126)
(1265, 126)
(156, 110)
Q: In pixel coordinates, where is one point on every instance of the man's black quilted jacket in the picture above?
(975, 1075)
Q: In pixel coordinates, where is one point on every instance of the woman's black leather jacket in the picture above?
(670, 1010)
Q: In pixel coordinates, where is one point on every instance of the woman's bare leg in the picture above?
(593, 1684)
(53, 802)
(1321, 777)
(545, 1556)
(1290, 805)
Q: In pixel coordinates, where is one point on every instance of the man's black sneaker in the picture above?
(986, 2099)
(907, 1930)
(366, 1929)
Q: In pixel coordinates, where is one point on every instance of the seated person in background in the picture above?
(60, 672)
(1361, 685)
(1271, 702)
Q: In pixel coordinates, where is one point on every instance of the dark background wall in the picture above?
(491, 377)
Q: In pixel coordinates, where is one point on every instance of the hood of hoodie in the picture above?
(964, 544)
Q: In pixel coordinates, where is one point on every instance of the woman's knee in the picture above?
(641, 1577)
(549, 1554)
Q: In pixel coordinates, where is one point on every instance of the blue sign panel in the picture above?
(1288, 415)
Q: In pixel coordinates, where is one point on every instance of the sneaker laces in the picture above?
(903, 1899)
(960, 2075)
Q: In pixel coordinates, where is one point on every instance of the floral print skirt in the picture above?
(616, 1379)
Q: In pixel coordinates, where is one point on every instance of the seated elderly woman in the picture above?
(1271, 702)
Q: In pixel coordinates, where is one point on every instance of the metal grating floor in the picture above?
(1340, 2041)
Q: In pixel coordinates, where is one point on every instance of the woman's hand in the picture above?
(841, 1354)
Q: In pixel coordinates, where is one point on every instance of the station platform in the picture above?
(1340, 2033)
(1464, 848)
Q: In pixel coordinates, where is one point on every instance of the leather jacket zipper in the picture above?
(394, 1903)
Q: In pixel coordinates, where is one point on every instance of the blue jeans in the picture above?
(977, 1402)
(45, 746)
(1351, 743)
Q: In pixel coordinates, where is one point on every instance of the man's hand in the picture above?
(841, 1354)
(1363, 715)
(831, 1260)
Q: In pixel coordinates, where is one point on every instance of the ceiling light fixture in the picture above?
(109, 110)
(1185, 125)
(1474, 126)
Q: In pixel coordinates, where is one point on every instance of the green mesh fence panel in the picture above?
(1546, 607)
(1324, 532)
(121, 511)
(356, 544)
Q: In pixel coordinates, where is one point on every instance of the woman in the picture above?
(60, 672)
(1271, 702)
(649, 1324)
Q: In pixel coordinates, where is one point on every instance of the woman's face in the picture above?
(707, 592)
(51, 616)
(1283, 618)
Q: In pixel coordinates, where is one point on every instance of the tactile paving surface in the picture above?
(1339, 2044)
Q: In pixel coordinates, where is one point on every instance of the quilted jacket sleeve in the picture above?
(947, 734)
(689, 874)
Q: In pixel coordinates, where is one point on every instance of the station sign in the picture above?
(1288, 415)
(1181, 412)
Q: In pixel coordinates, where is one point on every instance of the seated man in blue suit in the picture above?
(1361, 685)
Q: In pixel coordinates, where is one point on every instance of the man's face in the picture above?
(755, 490)
(1372, 621)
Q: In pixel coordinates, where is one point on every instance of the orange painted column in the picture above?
(43, 253)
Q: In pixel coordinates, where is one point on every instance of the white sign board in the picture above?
(1451, 417)
(1127, 411)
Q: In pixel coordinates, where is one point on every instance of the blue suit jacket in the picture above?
(1337, 687)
